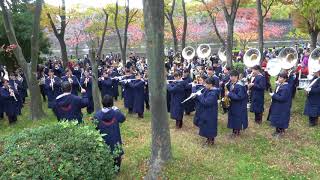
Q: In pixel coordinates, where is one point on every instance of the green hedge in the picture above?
(61, 151)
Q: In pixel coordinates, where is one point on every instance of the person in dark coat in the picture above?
(9, 98)
(188, 106)
(138, 93)
(77, 72)
(68, 106)
(208, 116)
(115, 83)
(237, 115)
(312, 105)
(128, 91)
(109, 119)
(105, 84)
(58, 70)
(176, 90)
(86, 83)
(211, 73)
(217, 68)
(169, 77)
(146, 90)
(52, 88)
(17, 86)
(280, 108)
(225, 79)
(195, 89)
(72, 79)
(257, 88)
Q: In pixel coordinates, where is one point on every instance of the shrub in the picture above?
(61, 151)
(239, 66)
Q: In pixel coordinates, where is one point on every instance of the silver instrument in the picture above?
(193, 95)
(188, 53)
(203, 51)
(252, 57)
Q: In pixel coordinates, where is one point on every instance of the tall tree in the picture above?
(185, 25)
(212, 8)
(306, 16)
(29, 69)
(169, 15)
(59, 32)
(154, 28)
(230, 18)
(263, 8)
(129, 18)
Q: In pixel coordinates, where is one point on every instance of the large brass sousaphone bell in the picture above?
(252, 57)
(314, 62)
(288, 57)
(204, 51)
(222, 55)
(188, 53)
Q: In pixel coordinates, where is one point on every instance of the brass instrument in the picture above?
(226, 100)
(252, 57)
(204, 51)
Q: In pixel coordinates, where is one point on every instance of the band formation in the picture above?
(197, 81)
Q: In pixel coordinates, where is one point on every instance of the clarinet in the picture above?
(12, 93)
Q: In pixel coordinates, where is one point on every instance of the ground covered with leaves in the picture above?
(254, 155)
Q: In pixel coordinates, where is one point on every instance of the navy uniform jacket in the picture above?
(176, 90)
(257, 94)
(17, 85)
(312, 107)
(88, 88)
(208, 116)
(68, 107)
(58, 72)
(168, 94)
(188, 106)
(280, 106)
(197, 105)
(128, 93)
(106, 87)
(237, 115)
(77, 73)
(115, 83)
(217, 70)
(138, 93)
(108, 123)
(10, 105)
(75, 84)
(52, 93)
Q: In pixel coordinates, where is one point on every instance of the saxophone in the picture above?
(226, 100)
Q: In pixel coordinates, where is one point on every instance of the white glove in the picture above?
(115, 108)
(83, 91)
(198, 93)
(308, 89)
(271, 94)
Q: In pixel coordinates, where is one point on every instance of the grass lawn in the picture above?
(255, 155)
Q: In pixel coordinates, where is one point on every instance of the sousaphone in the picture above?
(204, 51)
(222, 55)
(188, 53)
(314, 62)
(252, 57)
(288, 57)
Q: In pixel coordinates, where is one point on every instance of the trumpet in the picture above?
(226, 100)
(193, 95)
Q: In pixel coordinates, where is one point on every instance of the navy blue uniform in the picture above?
(281, 106)
(105, 86)
(237, 115)
(176, 90)
(68, 107)
(198, 108)
(128, 94)
(312, 106)
(188, 106)
(257, 94)
(88, 87)
(138, 93)
(52, 91)
(108, 123)
(208, 116)
(11, 105)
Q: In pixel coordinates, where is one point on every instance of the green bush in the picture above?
(239, 66)
(61, 151)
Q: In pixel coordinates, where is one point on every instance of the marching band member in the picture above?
(41, 76)
(208, 116)
(115, 82)
(138, 93)
(86, 83)
(225, 78)
(312, 105)
(169, 77)
(9, 96)
(105, 84)
(201, 79)
(176, 90)
(237, 115)
(72, 79)
(146, 90)
(52, 88)
(212, 74)
(217, 68)
(109, 119)
(77, 72)
(68, 106)
(257, 88)
(280, 108)
(58, 70)
(188, 106)
(16, 85)
(128, 91)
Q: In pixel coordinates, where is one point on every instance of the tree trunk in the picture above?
(260, 28)
(185, 25)
(217, 31)
(103, 34)
(174, 34)
(77, 51)
(36, 111)
(229, 44)
(95, 88)
(63, 48)
(154, 28)
(313, 38)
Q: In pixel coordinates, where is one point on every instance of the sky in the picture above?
(94, 3)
